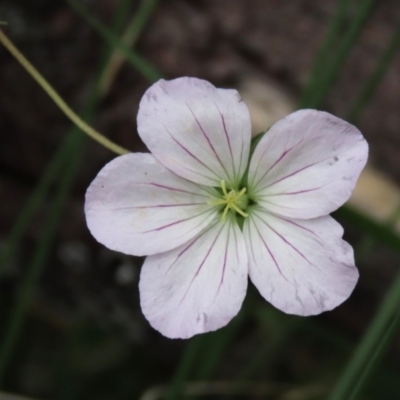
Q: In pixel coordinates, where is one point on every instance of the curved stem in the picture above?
(58, 100)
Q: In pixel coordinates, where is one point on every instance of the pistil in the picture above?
(231, 200)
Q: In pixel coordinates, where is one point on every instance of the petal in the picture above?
(136, 206)
(196, 130)
(307, 164)
(198, 287)
(302, 267)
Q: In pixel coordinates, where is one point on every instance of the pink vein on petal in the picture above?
(280, 158)
(159, 206)
(293, 173)
(269, 251)
(196, 172)
(287, 242)
(170, 188)
(175, 222)
(224, 265)
(188, 151)
(319, 240)
(201, 265)
(188, 247)
(293, 193)
(228, 139)
(251, 242)
(207, 139)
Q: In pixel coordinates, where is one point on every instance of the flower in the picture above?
(207, 216)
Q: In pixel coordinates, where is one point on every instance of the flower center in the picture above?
(234, 200)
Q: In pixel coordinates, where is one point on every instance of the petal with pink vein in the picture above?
(136, 206)
(198, 287)
(307, 164)
(302, 267)
(196, 130)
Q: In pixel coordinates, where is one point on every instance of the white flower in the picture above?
(207, 216)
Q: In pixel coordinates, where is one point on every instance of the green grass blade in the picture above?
(129, 38)
(323, 56)
(40, 256)
(139, 63)
(328, 78)
(380, 333)
(375, 358)
(369, 88)
(185, 367)
(216, 344)
(27, 214)
(70, 151)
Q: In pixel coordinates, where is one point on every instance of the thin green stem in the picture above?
(62, 154)
(365, 357)
(57, 98)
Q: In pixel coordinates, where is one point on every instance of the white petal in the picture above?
(198, 287)
(307, 164)
(136, 206)
(302, 267)
(196, 130)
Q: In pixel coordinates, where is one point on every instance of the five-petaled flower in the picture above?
(207, 215)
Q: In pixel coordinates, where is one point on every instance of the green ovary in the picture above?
(232, 200)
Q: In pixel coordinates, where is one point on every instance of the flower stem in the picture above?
(57, 98)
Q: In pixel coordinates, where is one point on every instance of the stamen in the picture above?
(237, 209)
(223, 218)
(224, 188)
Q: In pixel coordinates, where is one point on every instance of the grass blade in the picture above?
(71, 151)
(381, 331)
(369, 89)
(140, 64)
(328, 78)
(322, 59)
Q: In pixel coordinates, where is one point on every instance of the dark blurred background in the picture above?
(84, 336)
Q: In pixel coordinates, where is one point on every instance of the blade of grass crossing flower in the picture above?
(328, 78)
(380, 332)
(322, 60)
(71, 151)
(139, 63)
(369, 88)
